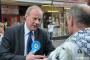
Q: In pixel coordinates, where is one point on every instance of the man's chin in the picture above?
(34, 29)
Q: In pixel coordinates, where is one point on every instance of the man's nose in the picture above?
(37, 21)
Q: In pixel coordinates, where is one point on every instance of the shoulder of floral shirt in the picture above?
(61, 51)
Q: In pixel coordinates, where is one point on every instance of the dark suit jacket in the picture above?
(12, 46)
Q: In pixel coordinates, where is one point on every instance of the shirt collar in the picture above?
(26, 29)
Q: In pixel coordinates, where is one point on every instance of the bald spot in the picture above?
(85, 8)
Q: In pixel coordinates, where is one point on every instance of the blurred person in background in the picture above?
(77, 46)
(26, 41)
(1, 31)
(50, 30)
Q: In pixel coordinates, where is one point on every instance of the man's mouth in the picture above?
(34, 26)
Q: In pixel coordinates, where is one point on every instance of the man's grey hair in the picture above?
(29, 9)
(82, 13)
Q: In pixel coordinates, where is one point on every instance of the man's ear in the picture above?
(25, 17)
(71, 21)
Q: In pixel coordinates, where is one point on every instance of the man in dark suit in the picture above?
(14, 43)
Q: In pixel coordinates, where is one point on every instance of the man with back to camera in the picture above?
(77, 46)
(26, 41)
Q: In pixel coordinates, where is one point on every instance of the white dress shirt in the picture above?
(26, 38)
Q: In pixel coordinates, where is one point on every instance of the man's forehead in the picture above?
(36, 16)
(37, 10)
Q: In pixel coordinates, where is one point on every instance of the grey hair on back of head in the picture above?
(81, 12)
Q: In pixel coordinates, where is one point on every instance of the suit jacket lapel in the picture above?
(22, 39)
(37, 35)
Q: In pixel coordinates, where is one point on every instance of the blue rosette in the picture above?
(35, 46)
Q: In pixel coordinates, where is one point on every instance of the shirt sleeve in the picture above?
(66, 51)
(58, 54)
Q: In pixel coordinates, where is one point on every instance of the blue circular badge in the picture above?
(35, 46)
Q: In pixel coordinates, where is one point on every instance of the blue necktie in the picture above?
(29, 42)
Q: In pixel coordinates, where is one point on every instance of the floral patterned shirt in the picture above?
(76, 47)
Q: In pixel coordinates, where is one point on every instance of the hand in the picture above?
(45, 59)
(32, 57)
(42, 59)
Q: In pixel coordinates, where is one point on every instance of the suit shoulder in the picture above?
(15, 27)
(42, 31)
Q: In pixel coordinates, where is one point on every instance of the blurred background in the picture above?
(12, 12)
